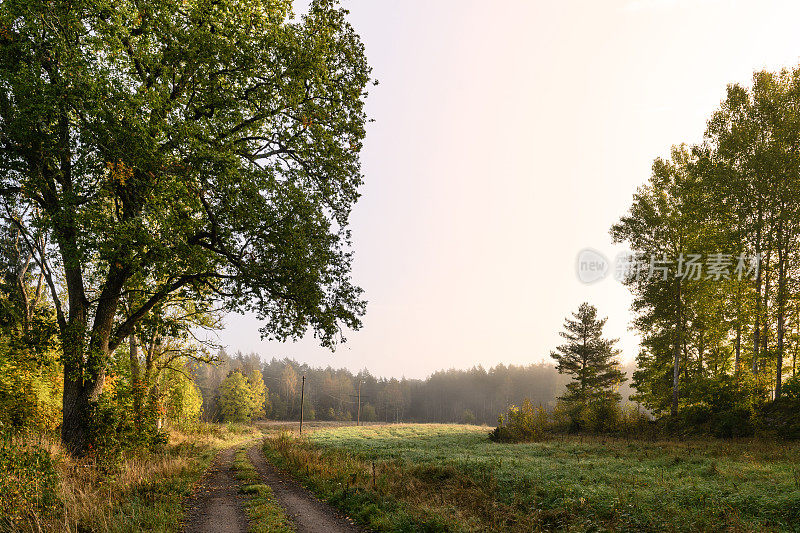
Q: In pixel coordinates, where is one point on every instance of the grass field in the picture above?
(451, 478)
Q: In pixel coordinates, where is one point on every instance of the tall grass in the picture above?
(145, 490)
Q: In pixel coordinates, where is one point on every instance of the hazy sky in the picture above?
(509, 135)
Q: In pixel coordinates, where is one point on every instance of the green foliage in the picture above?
(791, 389)
(522, 424)
(30, 394)
(526, 423)
(442, 397)
(242, 398)
(716, 345)
(259, 395)
(28, 486)
(30, 388)
(468, 417)
(780, 418)
(182, 399)
(201, 150)
(338, 415)
(589, 359)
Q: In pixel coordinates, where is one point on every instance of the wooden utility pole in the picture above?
(302, 397)
(358, 396)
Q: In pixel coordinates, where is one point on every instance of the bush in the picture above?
(791, 389)
(732, 423)
(695, 416)
(112, 432)
(574, 417)
(780, 418)
(524, 423)
(635, 422)
(28, 483)
(603, 416)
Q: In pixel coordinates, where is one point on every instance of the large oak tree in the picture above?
(206, 148)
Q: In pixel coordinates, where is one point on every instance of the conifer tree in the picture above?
(589, 358)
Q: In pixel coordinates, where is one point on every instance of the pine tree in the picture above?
(589, 359)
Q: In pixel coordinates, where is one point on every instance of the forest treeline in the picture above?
(475, 395)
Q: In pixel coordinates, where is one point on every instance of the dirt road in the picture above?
(308, 514)
(216, 506)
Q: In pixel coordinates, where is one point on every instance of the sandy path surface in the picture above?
(216, 505)
(308, 514)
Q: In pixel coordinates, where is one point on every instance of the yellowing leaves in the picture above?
(119, 172)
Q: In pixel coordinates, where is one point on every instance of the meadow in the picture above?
(433, 477)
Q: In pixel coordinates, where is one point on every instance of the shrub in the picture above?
(695, 416)
(791, 389)
(780, 418)
(28, 483)
(634, 421)
(732, 423)
(603, 416)
(524, 423)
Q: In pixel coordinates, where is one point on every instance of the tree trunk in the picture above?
(764, 348)
(80, 394)
(738, 346)
(676, 363)
(781, 310)
(759, 276)
(738, 352)
(136, 383)
(700, 351)
(85, 361)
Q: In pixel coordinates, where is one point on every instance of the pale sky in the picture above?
(508, 136)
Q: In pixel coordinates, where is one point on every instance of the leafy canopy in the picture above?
(193, 146)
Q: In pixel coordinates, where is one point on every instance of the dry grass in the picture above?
(144, 491)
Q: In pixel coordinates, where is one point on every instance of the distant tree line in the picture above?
(474, 395)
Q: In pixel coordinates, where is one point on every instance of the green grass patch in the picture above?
(432, 477)
(266, 515)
